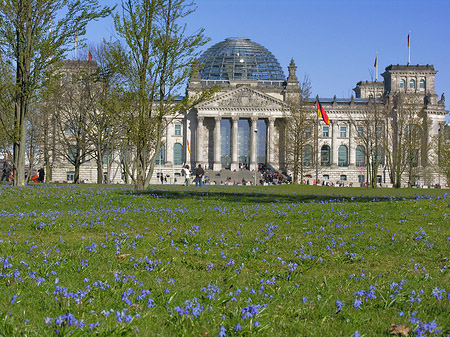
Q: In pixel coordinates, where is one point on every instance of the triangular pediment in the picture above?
(242, 98)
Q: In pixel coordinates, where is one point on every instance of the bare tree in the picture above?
(406, 138)
(6, 104)
(103, 133)
(443, 152)
(299, 129)
(370, 127)
(25, 27)
(155, 61)
(78, 101)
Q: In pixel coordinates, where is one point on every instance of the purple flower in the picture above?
(339, 305)
(222, 332)
(13, 298)
(357, 303)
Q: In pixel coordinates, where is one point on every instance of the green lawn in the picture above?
(269, 261)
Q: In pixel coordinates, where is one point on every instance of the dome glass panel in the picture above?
(239, 59)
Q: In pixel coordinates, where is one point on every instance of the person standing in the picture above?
(41, 174)
(187, 175)
(199, 173)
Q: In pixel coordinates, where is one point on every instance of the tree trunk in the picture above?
(20, 144)
(100, 170)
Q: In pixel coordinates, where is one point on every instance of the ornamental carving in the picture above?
(243, 98)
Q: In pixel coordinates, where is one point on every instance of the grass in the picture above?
(235, 261)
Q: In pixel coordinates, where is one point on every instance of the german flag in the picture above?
(188, 147)
(322, 114)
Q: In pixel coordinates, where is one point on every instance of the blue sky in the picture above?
(334, 42)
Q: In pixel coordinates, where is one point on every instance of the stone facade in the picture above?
(243, 126)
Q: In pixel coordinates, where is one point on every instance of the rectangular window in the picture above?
(326, 177)
(379, 129)
(343, 177)
(72, 153)
(360, 131)
(361, 178)
(343, 131)
(70, 176)
(177, 129)
(308, 132)
(105, 158)
(326, 131)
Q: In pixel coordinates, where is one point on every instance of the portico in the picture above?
(237, 130)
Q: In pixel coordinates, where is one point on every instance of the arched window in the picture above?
(343, 156)
(325, 158)
(413, 131)
(178, 154)
(422, 84)
(412, 84)
(413, 158)
(162, 156)
(360, 156)
(402, 83)
(307, 155)
(378, 155)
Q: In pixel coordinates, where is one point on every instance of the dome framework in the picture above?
(240, 59)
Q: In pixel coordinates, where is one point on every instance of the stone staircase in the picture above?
(236, 177)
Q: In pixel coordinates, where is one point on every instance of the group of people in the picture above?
(198, 172)
(8, 173)
(272, 177)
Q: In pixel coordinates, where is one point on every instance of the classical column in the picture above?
(253, 131)
(351, 153)
(199, 140)
(217, 164)
(334, 150)
(234, 144)
(271, 142)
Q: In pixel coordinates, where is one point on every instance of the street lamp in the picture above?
(256, 153)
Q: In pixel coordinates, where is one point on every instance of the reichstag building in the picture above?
(243, 125)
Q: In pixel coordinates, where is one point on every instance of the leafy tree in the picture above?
(154, 62)
(34, 34)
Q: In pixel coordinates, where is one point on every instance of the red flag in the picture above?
(408, 39)
(322, 114)
(376, 62)
(89, 55)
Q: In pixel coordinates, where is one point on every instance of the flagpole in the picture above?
(316, 141)
(76, 46)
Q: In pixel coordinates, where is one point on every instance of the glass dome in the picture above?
(238, 59)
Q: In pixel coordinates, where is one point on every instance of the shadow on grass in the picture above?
(286, 194)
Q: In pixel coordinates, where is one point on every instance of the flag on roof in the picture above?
(322, 114)
(89, 55)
